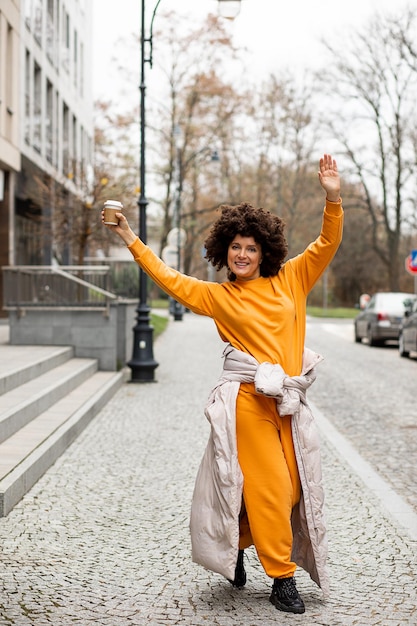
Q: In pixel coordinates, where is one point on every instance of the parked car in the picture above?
(407, 340)
(382, 317)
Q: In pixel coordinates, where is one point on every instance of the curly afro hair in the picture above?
(243, 219)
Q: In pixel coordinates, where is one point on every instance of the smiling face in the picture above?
(244, 257)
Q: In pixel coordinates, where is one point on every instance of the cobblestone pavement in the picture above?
(103, 537)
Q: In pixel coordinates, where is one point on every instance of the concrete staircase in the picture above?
(47, 397)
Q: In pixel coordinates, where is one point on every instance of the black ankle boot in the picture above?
(240, 574)
(285, 596)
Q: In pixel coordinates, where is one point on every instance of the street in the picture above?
(369, 394)
(103, 537)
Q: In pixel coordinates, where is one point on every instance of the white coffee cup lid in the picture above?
(113, 204)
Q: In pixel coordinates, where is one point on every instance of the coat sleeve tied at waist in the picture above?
(289, 391)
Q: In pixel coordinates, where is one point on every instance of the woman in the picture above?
(259, 482)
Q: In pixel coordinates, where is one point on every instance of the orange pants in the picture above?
(271, 482)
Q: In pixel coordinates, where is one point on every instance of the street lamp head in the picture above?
(229, 9)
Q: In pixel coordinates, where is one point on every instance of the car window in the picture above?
(394, 302)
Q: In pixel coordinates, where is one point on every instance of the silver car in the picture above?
(381, 319)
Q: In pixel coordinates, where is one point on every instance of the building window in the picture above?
(82, 70)
(65, 140)
(51, 32)
(65, 40)
(27, 7)
(49, 122)
(9, 96)
(74, 163)
(37, 21)
(57, 128)
(27, 97)
(75, 58)
(82, 158)
(37, 109)
(57, 22)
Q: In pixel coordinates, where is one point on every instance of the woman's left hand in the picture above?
(329, 177)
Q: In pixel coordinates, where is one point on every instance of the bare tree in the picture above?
(408, 49)
(199, 104)
(370, 91)
(273, 155)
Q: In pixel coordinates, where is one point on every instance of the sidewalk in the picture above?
(103, 538)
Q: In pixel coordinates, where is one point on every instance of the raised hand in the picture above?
(329, 177)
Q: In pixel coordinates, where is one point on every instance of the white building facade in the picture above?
(46, 126)
(10, 159)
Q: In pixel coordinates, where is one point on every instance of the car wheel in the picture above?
(371, 340)
(402, 351)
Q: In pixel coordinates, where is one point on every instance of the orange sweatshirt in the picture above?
(264, 317)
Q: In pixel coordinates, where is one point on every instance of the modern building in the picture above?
(46, 128)
(10, 158)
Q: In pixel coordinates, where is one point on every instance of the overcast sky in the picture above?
(274, 32)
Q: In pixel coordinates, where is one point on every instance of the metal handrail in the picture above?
(84, 283)
(23, 292)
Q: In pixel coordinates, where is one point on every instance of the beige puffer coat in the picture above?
(217, 498)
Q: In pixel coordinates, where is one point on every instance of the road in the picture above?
(369, 393)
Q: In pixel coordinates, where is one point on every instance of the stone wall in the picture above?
(104, 335)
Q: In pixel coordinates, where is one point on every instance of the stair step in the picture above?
(19, 364)
(28, 453)
(22, 404)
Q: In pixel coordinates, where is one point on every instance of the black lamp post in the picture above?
(177, 308)
(142, 363)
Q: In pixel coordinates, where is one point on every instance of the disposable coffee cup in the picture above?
(111, 207)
